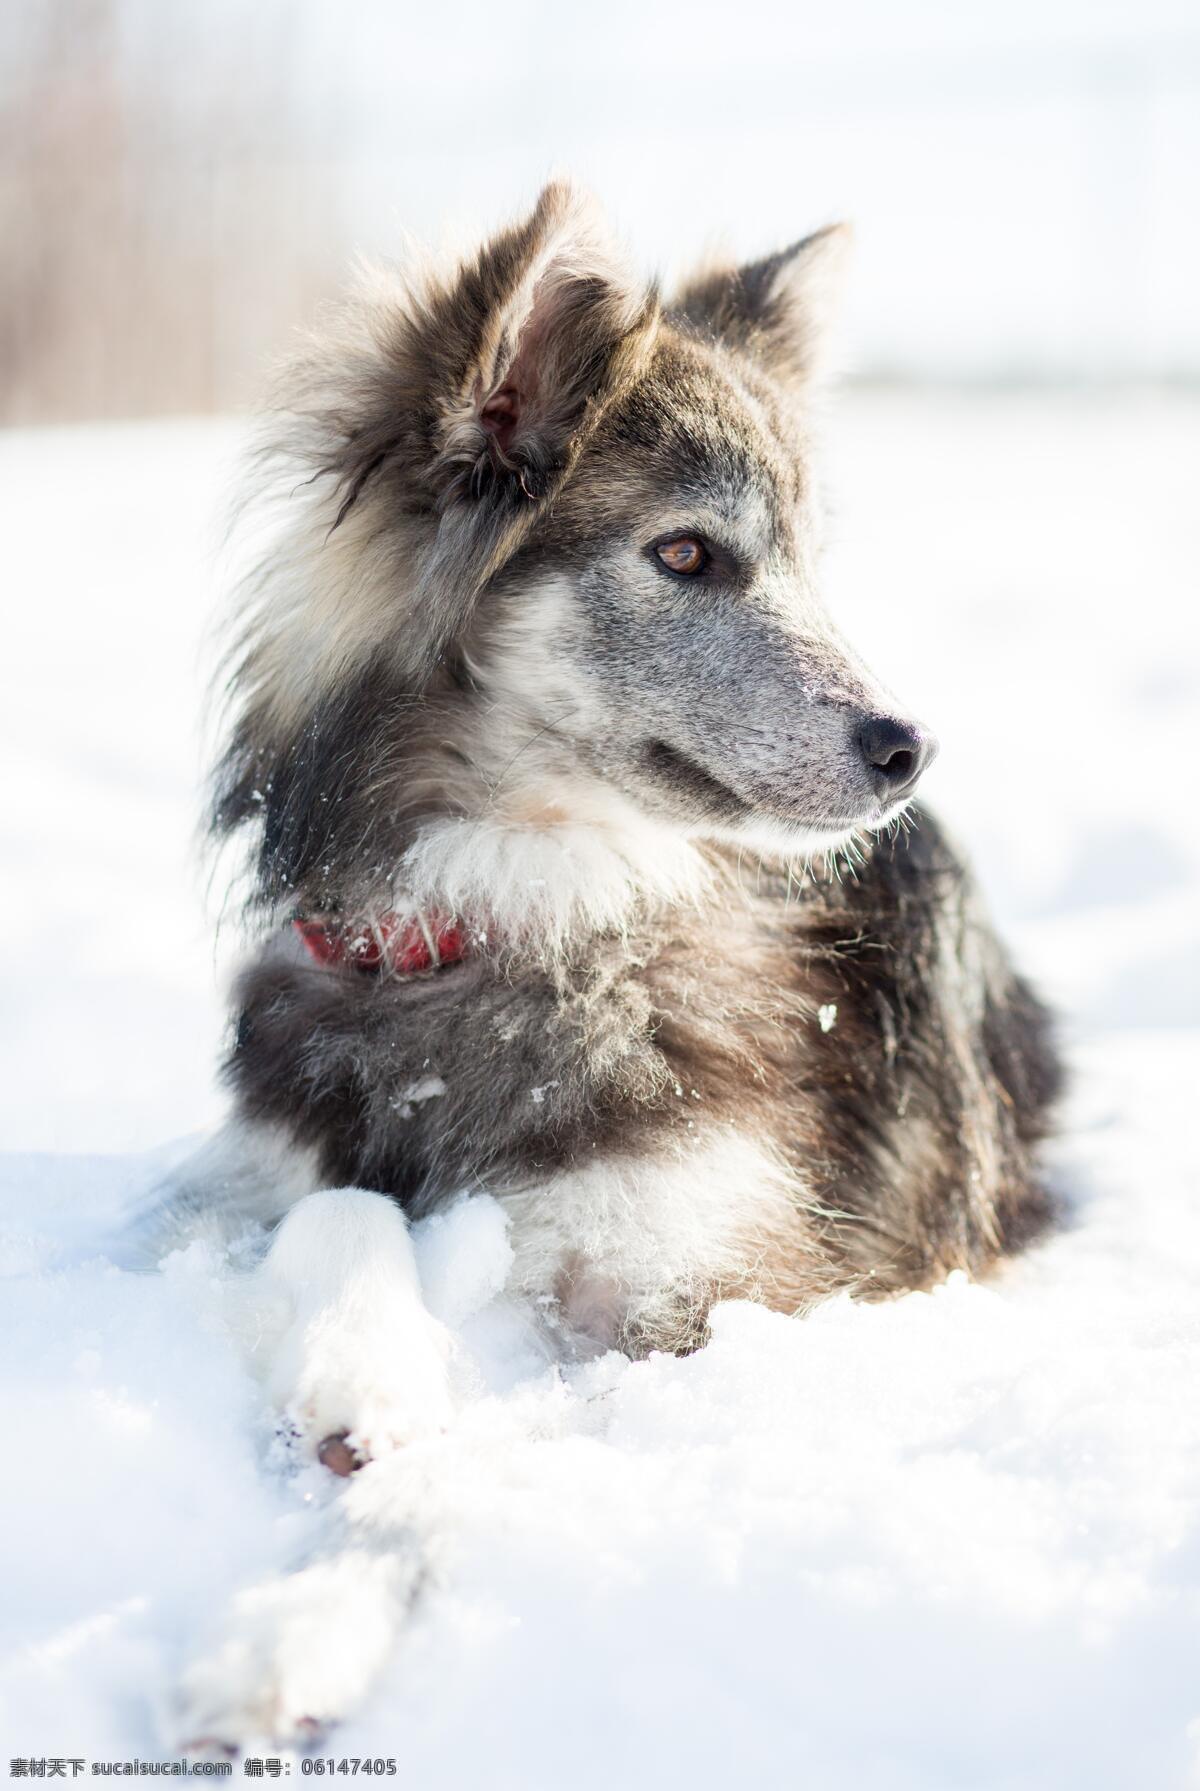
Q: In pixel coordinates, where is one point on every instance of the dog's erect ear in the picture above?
(411, 447)
(531, 338)
(779, 310)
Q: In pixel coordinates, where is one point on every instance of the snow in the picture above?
(952, 1541)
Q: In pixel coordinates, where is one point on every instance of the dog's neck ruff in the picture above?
(404, 945)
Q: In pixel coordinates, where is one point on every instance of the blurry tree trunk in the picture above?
(162, 227)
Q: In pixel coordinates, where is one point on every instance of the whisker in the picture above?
(545, 729)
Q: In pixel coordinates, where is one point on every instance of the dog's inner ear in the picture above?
(501, 414)
(780, 310)
(561, 324)
(518, 404)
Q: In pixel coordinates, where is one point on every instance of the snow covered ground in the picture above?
(951, 1542)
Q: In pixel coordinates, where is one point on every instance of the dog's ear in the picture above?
(780, 310)
(524, 346)
(479, 384)
(508, 366)
(415, 440)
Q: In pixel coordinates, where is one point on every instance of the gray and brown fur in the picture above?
(463, 682)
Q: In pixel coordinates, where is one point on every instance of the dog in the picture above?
(581, 855)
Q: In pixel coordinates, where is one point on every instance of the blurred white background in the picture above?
(181, 183)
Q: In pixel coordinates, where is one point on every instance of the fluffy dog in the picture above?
(582, 862)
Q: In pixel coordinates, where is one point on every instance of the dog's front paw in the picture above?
(355, 1385)
(351, 1357)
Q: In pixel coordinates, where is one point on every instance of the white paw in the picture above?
(347, 1351)
(299, 1653)
(378, 1381)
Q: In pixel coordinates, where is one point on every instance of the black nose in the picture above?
(896, 753)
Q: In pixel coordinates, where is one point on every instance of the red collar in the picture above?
(404, 947)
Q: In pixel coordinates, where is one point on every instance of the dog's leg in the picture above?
(334, 1322)
(630, 1252)
(238, 1184)
(332, 1316)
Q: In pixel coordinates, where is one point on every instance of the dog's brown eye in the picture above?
(685, 556)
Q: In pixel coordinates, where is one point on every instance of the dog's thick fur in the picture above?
(689, 1059)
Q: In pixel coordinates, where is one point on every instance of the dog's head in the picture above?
(557, 556)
